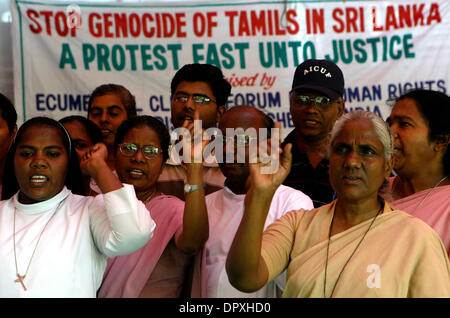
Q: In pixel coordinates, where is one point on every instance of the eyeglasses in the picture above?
(239, 140)
(197, 99)
(128, 150)
(320, 102)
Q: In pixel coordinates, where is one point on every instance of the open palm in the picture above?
(261, 180)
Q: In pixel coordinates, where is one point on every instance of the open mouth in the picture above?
(398, 152)
(311, 122)
(136, 173)
(106, 131)
(38, 180)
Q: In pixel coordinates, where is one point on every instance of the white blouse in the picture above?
(225, 212)
(70, 258)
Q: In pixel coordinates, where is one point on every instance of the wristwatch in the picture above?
(188, 188)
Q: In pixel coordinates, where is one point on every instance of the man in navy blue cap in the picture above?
(315, 105)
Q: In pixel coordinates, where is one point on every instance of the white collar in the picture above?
(43, 206)
(230, 193)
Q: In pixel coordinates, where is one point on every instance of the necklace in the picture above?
(20, 278)
(150, 196)
(427, 195)
(348, 260)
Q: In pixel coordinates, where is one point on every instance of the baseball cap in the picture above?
(320, 75)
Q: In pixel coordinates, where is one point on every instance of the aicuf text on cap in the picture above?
(317, 68)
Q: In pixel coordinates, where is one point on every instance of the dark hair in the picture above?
(73, 179)
(435, 109)
(90, 127)
(207, 73)
(145, 121)
(127, 99)
(8, 112)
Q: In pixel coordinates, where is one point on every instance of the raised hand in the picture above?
(281, 160)
(195, 229)
(94, 159)
(194, 141)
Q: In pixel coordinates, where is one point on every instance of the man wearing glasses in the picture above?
(315, 105)
(244, 131)
(201, 88)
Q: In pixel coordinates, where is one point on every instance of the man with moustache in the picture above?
(202, 88)
(315, 105)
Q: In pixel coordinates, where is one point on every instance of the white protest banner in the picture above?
(62, 51)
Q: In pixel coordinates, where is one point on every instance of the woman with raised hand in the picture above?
(54, 242)
(420, 124)
(356, 246)
(160, 268)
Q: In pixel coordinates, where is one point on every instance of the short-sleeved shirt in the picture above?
(225, 212)
(314, 182)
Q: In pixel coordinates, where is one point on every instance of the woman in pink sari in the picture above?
(159, 269)
(420, 125)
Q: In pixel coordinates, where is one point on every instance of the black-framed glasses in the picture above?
(196, 98)
(320, 102)
(129, 149)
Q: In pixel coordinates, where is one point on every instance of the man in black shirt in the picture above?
(315, 105)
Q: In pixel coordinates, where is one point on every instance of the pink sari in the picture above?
(126, 276)
(198, 288)
(431, 206)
